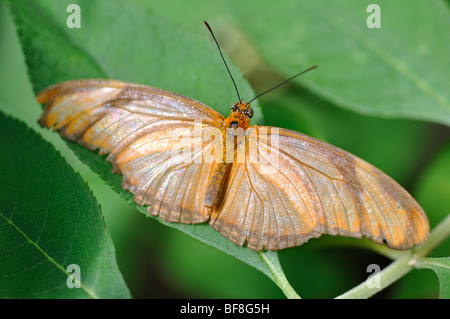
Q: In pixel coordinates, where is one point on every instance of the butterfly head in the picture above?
(240, 116)
(243, 108)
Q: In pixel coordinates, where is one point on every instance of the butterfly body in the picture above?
(234, 125)
(259, 186)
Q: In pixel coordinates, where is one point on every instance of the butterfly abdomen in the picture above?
(216, 184)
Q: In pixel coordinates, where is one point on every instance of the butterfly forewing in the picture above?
(149, 135)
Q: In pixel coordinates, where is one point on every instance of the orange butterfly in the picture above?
(263, 187)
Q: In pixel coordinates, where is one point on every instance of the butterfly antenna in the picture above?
(220, 51)
(276, 86)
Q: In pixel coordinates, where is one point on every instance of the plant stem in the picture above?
(280, 278)
(387, 276)
(401, 266)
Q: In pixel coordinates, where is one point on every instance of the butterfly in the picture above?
(262, 187)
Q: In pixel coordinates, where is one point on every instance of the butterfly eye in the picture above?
(249, 113)
(234, 107)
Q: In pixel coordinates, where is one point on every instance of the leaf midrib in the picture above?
(49, 258)
(429, 262)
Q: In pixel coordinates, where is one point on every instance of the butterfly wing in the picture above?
(292, 187)
(289, 188)
(153, 137)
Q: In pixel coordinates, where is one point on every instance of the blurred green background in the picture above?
(160, 262)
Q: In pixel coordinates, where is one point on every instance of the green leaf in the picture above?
(49, 219)
(398, 70)
(124, 42)
(221, 276)
(138, 47)
(441, 266)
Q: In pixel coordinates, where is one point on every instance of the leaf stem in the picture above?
(401, 266)
(273, 263)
